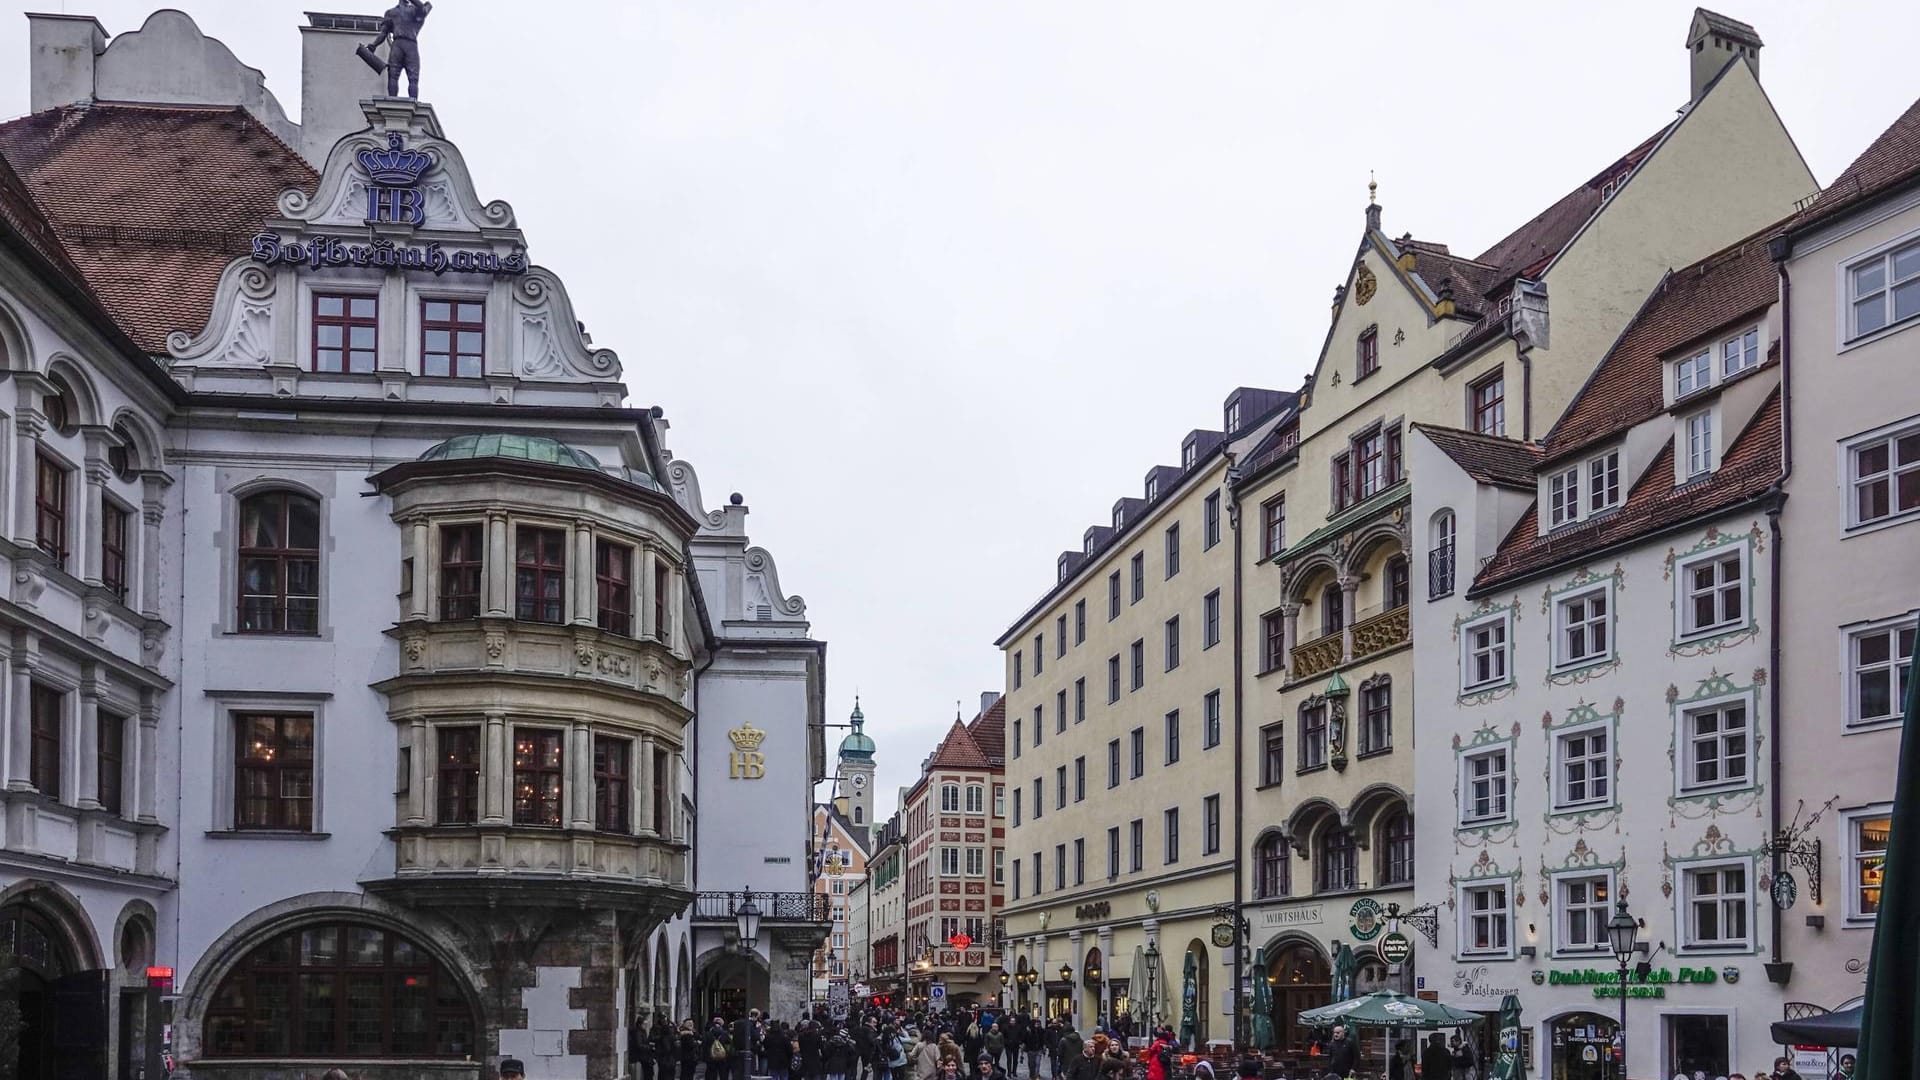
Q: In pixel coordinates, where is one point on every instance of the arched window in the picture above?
(1270, 866)
(1335, 872)
(340, 990)
(1440, 556)
(1333, 611)
(1396, 849)
(58, 405)
(279, 564)
(859, 815)
(976, 799)
(950, 798)
(122, 456)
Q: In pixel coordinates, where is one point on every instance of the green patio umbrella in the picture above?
(1343, 969)
(1189, 991)
(1388, 1009)
(1890, 1021)
(1262, 1004)
(1507, 1062)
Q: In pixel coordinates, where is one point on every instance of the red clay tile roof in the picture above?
(989, 732)
(959, 751)
(152, 202)
(1890, 161)
(1730, 286)
(22, 217)
(1507, 463)
(1472, 281)
(1751, 467)
(1539, 240)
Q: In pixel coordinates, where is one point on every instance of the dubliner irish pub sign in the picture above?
(394, 197)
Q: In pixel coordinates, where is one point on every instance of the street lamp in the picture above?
(1622, 935)
(747, 920)
(1066, 972)
(1153, 994)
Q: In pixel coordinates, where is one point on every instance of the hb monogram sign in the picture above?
(393, 189)
(746, 762)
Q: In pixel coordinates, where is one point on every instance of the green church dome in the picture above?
(857, 746)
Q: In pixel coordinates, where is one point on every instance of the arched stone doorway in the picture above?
(62, 990)
(1302, 978)
(1195, 995)
(727, 984)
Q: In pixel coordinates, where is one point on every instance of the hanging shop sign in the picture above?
(1222, 935)
(1366, 914)
(1785, 890)
(1395, 948)
(1606, 984)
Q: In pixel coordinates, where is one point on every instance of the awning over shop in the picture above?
(1828, 1029)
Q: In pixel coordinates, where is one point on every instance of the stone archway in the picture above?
(62, 982)
(728, 982)
(1200, 997)
(1301, 975)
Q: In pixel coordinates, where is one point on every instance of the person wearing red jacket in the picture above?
(1160, 1056)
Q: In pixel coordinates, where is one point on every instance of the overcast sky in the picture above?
(932, 284)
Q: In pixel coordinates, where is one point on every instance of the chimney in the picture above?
(334, 81)
(63, 49)
(987, 698)
(1713, 40)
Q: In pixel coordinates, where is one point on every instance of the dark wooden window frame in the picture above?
(347, 322)
(277, 618)
(454, 327)
(460, 761)
(535, 804)
(612, 783)
(463, 563)
(113, 547)
(531, 577)
(1366, 353)
(1485, 407)
(613, 581)
(50, 507)
(110, 773)
(47, 708)
(277, 760)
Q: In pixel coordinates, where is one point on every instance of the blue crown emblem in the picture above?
(396, 166)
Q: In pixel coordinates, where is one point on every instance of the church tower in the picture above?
(856, 770)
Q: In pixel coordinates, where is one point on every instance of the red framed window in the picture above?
(1399, 582)
(113, 549)
(273, 771)
(459, 776)
(613, 571)
(453, 337)
(1489, 401)
(279, 564)
(1370, 454)
(50, 508)
(538, 772)
(461, 564)
(612, 783)
(346, 332)
(1367, 354)
(540, 574)
(43, 765)
(111, 770)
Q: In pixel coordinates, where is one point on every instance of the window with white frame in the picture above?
(1483, 660)
(1879, 667)
(976, 862)
(1693, 373)
(1866, 836)
(1583, 767)
(1563, 498)
(976, 799)
(1718, 745)
(1483, 787)
(1740, 352)
(999, 866)
(1583, 909)
(949, 862)
(1699, 459)
(1580, 626)
(1884, 473)
(1713, 592)
(950, 798)
(1718, 906)
(1884, 289)
(1487, 920)
(1603, 482)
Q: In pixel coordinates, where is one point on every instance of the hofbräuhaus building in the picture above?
(364, 651)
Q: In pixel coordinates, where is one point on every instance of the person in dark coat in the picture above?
(1343, 1055)
(779, 1051)
(1084, 1065)
(642, 1049)
(688, 1047)
(810, 1048)
(1436, 1062)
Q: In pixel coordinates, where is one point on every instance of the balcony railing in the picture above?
(783, 907)
(1440, 572)
(1320, 654)
(1372, 634)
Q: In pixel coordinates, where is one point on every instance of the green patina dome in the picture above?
(857, 746)
(537, 448)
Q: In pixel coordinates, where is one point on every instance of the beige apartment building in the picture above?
(1496, 344)
(1120, 775)
(1849, 551)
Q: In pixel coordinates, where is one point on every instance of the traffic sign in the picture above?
(937, 997)
(1395, 948)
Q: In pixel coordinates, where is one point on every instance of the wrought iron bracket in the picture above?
(1425, 919)
(1800, 854)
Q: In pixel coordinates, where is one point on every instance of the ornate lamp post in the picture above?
(747, 920)
(1622, 934)
(1153, 991)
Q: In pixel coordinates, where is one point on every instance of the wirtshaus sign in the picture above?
(1606, 984)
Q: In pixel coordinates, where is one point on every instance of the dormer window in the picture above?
(1233, 416)
(1562, 495)
(1696, 372)
(1699, 461)
(1119, 516)
(1693, 373)
(1563, 498)
(1739, 353)
(1603, 482)
(1153, 488)
(1189, 454)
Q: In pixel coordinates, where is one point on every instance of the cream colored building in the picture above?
(1498, 344)
(1848, 547)
(1120, 774)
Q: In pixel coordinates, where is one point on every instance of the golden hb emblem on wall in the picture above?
(746, 762)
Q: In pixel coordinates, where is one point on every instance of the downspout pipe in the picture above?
(1780, 249)
(1239, 749)
(1526, 393)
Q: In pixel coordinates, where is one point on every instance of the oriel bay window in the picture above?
(461, 564)
(279, 564)
(613, 576)
(612, 787)
(540, 574)
(340, 990)
(273, 771)
(453, 336)
(459, 766)
(539, 757)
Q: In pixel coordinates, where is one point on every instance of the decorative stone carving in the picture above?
(240, 331)
(496, 646)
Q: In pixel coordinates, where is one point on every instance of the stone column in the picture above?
(1077, 956)
(1104, 937)
(426, 583)
(20, 710)
(496, 775)
(83, 532)
(579, 775)
(146, 752)
(417, 760)
(1348, 587)
(152, 512)
(1290, 615)
(584, 579)
(28, 424)
(499, 580)
(87, 743)
(643, 803)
